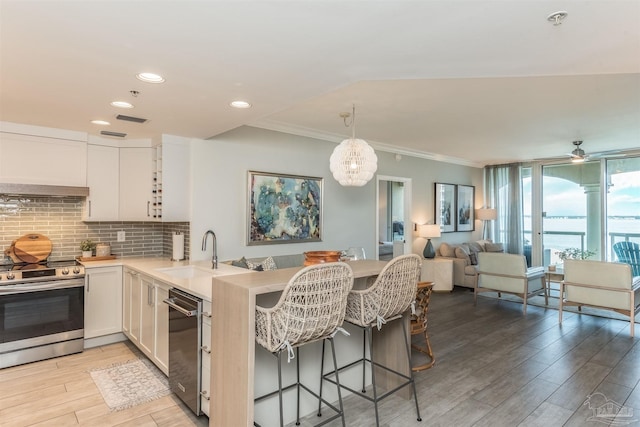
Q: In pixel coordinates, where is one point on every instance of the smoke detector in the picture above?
(557, 17)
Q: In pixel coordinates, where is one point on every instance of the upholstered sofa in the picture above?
(465, 259)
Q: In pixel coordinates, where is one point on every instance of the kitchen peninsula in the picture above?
(233, 338)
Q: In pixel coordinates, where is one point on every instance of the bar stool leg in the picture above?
(298, 385)
(364, 358)
(335, 367)
(373, 375)
(322, 378)
(280, 387)
(413, 382)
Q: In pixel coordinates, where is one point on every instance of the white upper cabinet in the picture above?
(103, 178)
(45, 156)
(135, 184)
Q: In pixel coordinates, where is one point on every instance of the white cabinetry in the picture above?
(103, 302)
(205, 356)
(162, 326)
(135, 188)
(147, 337)
(103, 177)
(146, 317)
(47, 156)
(171, 185)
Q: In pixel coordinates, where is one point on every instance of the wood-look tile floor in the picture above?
(60, 392)
(495, 367)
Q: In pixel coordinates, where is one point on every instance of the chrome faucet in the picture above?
(214, 256)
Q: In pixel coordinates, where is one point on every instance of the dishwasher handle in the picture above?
(171, 302)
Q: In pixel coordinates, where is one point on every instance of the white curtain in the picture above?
(503, 186)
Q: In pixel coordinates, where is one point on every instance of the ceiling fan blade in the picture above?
(608, 156)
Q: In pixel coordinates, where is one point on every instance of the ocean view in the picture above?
(558, 242)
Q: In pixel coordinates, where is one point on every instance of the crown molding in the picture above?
(335, 138)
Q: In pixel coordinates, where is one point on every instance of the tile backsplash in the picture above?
(60, 219)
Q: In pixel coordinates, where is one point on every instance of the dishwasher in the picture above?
(185, 340)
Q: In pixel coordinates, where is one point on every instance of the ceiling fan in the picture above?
(579, 156)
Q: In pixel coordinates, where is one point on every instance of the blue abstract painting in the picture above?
(284, 208)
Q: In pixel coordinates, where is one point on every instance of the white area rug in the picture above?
(127, 384)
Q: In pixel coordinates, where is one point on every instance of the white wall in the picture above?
(219, 203)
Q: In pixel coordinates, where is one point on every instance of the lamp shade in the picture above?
(486, 214)
(353, 162)
(429, 231)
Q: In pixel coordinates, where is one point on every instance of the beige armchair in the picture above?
(606, 285)
(508, 273)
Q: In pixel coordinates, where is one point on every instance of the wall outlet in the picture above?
(121, 236)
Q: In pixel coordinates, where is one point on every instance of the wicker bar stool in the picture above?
(419, 324)
(311, 308)
(386, 300)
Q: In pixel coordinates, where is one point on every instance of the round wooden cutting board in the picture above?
(32, 248)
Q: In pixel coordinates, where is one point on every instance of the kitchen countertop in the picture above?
(199, 285)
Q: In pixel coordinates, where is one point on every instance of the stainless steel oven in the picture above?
(41, 314)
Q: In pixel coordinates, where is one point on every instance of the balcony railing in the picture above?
(614, 237)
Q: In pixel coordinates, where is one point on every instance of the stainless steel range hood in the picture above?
(43, 190)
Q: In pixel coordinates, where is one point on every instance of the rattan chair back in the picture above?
(311, 307)
(391, 295)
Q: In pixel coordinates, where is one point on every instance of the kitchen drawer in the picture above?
(206, 389)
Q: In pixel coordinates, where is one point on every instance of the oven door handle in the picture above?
(13, 289)
(171, 302)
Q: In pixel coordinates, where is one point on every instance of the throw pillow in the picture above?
(447, 250)
(269, 264)
(473, 258)
(265, 265)
(242, 262)
(494, 247)
(463, 253)
(475, 247)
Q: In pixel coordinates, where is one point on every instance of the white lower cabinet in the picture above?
(102, 301)
(146, 317)
(205, 353)
(162, 326)
(147, 337)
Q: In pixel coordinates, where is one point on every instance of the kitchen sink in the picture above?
(186, 272)
(192, 271)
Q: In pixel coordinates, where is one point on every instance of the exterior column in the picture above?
(594, 219)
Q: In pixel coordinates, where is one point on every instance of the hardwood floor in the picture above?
(495, 367)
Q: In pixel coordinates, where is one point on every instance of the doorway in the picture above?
(393, 232)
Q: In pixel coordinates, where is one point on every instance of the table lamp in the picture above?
(429, 231)
(484, 215)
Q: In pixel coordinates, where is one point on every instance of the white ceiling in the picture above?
(474, 82)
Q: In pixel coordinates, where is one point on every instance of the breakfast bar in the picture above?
(233, 338)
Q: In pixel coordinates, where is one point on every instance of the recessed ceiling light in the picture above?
(150, 78)
(240, 104)
(100, 122)
(122, 104)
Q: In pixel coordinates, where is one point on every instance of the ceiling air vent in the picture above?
(109, 133)
(130, 118)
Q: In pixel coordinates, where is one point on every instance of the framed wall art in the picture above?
(445, 207)
(283, 208)
(465, 215)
